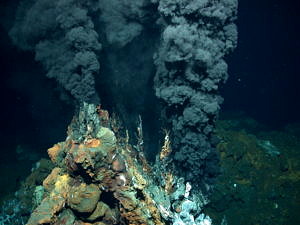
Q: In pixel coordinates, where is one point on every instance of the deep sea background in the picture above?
(263, 84)
(264, 69)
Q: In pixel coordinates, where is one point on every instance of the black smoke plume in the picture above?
(196, 36)
(188, 38)
(62, 35)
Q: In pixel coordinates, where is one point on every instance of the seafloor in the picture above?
(260, 180)
(259, 183)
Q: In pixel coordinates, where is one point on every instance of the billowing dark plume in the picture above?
(124, 20)
(190, 67)
(130, 37)
(189, 62)
(62, 35)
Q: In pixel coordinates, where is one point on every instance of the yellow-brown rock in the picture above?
(118, 164)
(100, 211)
(127, 199)
(50, 180)
(93, 143)
(84, 198)
(107, 214)
(54, 152)
(45, 212)
(65, 218)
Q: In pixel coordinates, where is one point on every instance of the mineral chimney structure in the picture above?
(99, 178)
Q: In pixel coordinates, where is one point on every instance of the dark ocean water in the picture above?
(261, 101)
(264, 68)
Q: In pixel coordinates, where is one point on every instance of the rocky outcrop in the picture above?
(99, 178)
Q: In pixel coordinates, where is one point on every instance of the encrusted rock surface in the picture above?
(83, 198)
(101, 179)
